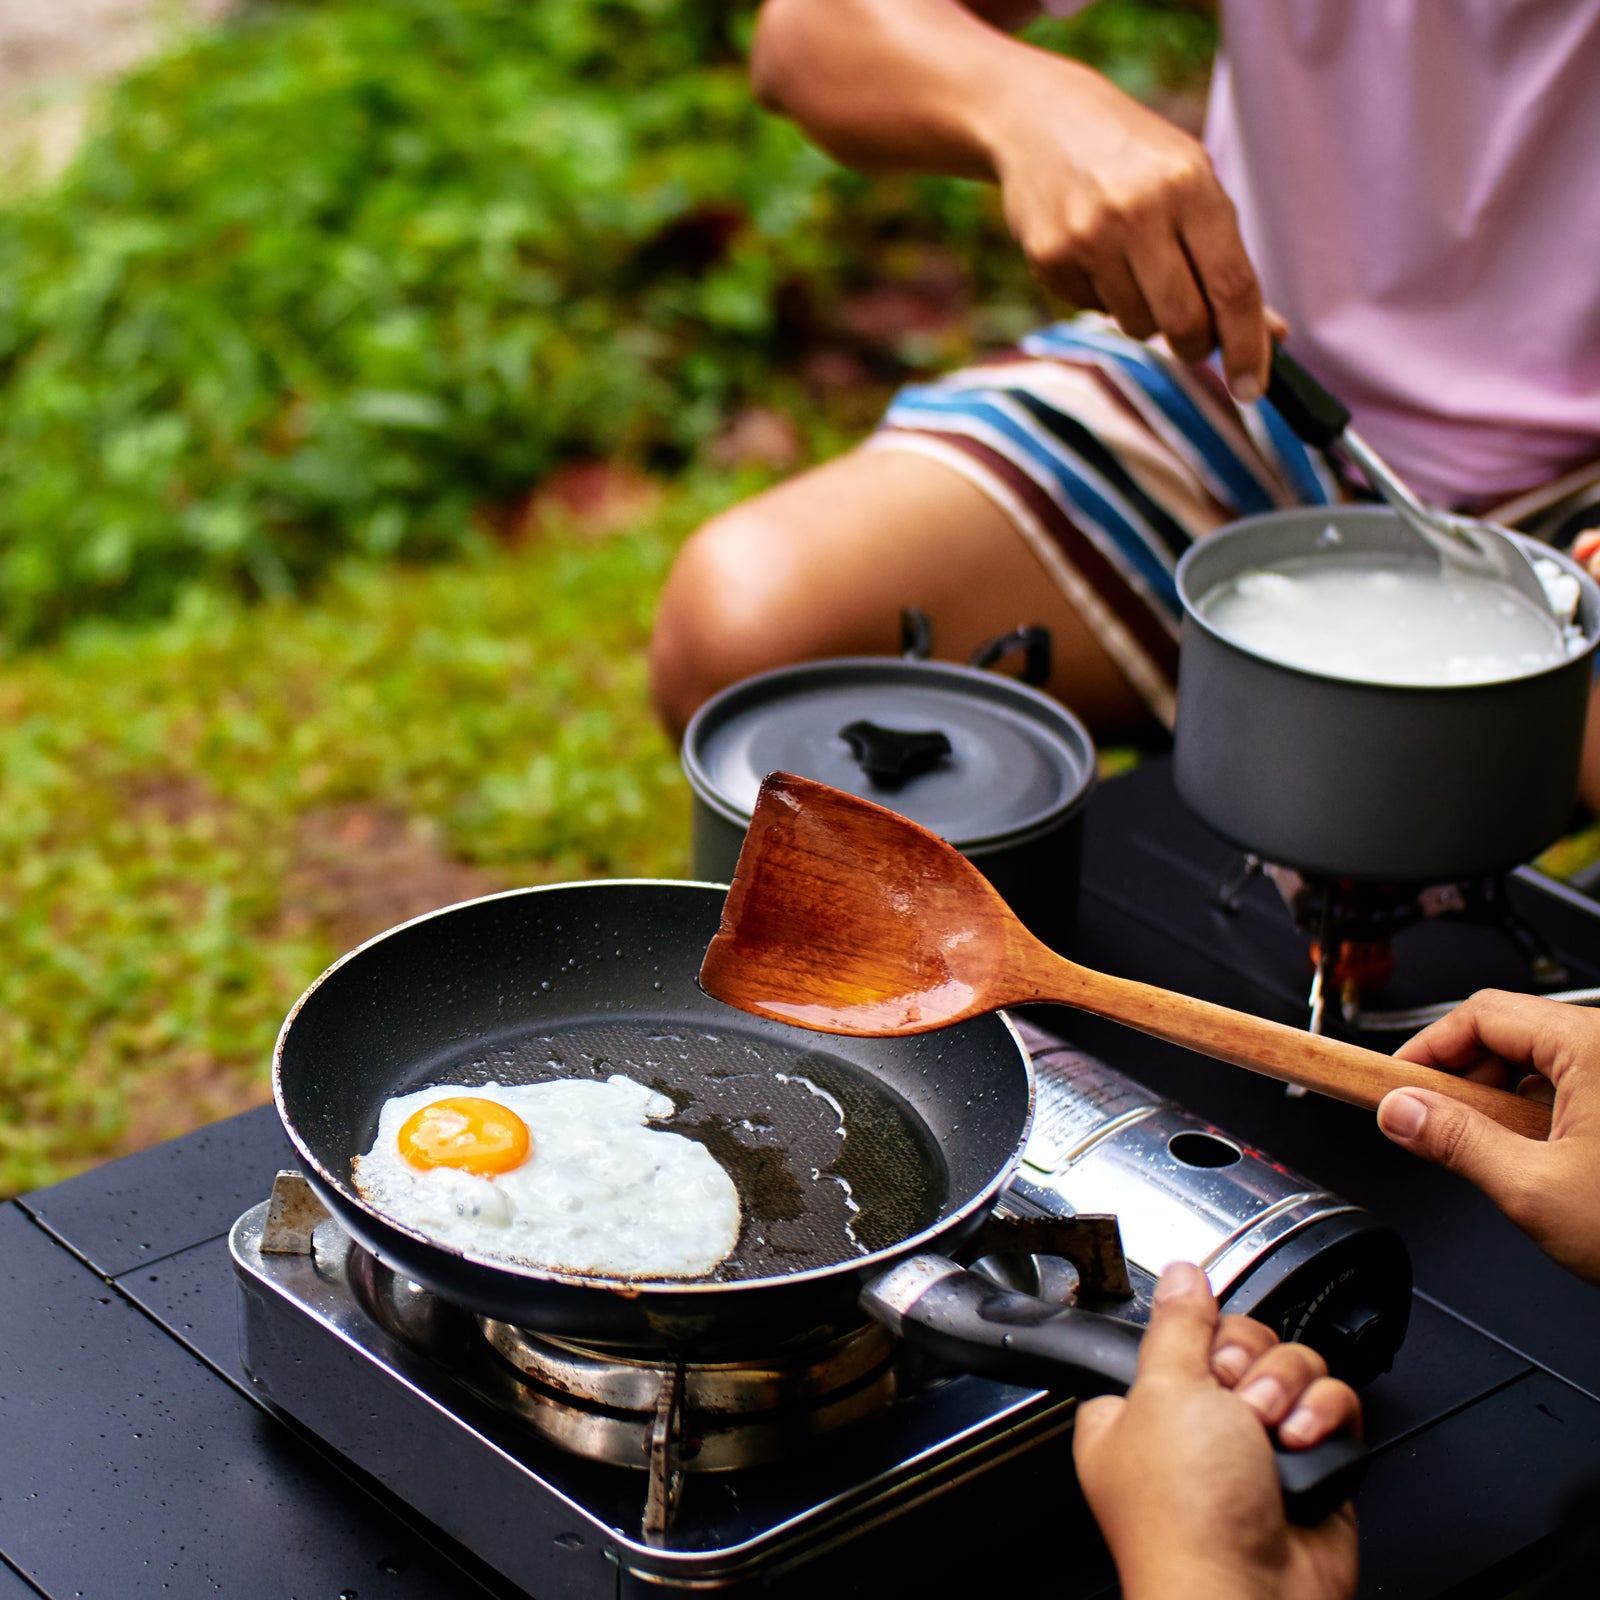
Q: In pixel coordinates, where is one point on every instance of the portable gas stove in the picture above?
(591, 1467)
(143, 1464)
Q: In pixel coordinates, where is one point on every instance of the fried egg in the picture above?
(563, 1175)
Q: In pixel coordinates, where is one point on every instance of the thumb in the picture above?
(1183, 1320)
(1454, 1136)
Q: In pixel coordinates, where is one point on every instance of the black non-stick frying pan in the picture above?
(591, 979)
(586, 980)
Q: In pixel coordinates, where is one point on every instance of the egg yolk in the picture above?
(463, 1131)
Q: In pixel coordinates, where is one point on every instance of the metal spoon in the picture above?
(848, 918)
(1467, 543)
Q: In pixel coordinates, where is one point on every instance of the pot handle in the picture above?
(963, 1320)
(1034, 643)
(916, 634)
(1316, 416)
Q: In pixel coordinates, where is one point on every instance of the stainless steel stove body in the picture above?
(575, 1474)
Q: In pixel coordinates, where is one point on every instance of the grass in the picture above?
(201, 814)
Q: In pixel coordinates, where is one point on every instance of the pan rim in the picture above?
(318, 1176)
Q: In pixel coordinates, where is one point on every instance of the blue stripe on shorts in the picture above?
(1133, 531)
(1104, 514)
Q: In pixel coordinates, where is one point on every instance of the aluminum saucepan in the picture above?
(1367, 780)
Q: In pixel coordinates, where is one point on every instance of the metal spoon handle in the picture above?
(1321, 419)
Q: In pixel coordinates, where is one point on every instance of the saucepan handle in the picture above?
(964, 1320)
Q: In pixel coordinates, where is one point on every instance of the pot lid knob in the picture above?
(891, 757)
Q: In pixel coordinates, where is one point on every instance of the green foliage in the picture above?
(1144, 47)
(174, 797)
(335, 277)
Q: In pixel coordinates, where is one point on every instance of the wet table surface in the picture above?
(137, 1464)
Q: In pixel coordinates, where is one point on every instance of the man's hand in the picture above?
(1550, 1189)
(1118, 210)
(1180, 1473)
(1115, 208)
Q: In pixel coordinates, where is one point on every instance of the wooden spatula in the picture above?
(848, 918)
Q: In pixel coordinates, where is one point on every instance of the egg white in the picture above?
(601, 1194)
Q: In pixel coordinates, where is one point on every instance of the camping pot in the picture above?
(997, 769)
(1372, 781)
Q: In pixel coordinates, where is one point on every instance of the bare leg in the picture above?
(823, 564)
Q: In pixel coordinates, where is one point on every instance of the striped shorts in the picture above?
(1111, 457)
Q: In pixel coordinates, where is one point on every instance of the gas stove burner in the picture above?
(671, 1417)
(1352, 922)
(659, 1415)
(808, 1370)
(604, 1405)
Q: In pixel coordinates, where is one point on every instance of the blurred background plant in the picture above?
(347, 277)
(334, 287)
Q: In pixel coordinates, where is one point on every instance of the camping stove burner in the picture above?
(584, 1472)
(650, 1412)
(672, 1417)
(1351, 924)
(810, 1371)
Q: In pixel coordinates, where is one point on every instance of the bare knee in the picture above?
(721, 615)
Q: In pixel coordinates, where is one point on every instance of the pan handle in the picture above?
(963, 1320)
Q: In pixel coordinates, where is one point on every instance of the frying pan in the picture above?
(585, 980)
(591, 979)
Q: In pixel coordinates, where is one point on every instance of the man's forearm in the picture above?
(903, 85)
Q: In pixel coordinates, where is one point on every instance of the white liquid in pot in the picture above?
(1378, 621)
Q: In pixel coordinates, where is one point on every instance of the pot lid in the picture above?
(971, 755)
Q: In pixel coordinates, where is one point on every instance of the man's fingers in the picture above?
(1453, 1043)
(1183, 1318)
(1237, 1345)
(1323, 1408)
(1072, 285)
(1119, 293)
(1496, 1027)
(1167, 282)
(1232, 291)
(1278, 1378)
(1455, 1136)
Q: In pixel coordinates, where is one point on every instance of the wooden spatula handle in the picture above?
(1330, 1066)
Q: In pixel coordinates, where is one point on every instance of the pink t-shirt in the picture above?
(1418, 183)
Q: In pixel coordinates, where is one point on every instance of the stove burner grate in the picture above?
(1351, 924)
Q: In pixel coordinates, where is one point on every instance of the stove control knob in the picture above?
(1358, 1340)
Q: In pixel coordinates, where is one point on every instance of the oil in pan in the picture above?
(828, 1163)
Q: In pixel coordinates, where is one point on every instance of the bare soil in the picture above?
(360, 869)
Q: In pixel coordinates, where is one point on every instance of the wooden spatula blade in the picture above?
(846, 917)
